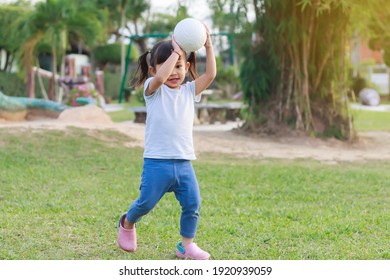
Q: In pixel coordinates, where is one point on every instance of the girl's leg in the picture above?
(157, 179)
(188, 194)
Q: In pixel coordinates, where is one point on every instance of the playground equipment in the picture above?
(71, 85)
(21, 108)
(76, 90)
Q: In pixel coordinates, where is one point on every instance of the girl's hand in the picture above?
(208, 42)
(176, 47)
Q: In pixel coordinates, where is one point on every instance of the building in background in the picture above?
(368, 64)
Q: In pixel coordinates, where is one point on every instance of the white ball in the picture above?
(190, 34)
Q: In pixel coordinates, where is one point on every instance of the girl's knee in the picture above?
(192, 205)
(144, 207)
(147, 206)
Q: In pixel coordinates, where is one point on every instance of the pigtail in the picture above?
(142, 70)
(192, 60)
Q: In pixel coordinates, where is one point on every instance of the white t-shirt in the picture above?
(169, 122)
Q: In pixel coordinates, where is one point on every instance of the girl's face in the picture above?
(177, 75)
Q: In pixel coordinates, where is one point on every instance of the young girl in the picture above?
(168, 141)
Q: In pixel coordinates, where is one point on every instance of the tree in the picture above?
(120, 13)
(165, 23)
(295, 59)
(9, 39)
(229, 15)
(295, 70)
(232, 17)
(125, 14)
(376, 28)
(54, 21)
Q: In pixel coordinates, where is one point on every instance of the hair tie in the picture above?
(148, 51)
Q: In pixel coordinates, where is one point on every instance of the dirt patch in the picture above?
(370, 146)
(85, 114)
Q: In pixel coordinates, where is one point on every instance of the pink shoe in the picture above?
(191, 251)
(127, 238)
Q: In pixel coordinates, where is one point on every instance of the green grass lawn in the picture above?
(371, 120)
(62, 192)
(126, 114)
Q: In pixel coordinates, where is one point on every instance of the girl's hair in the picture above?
(159, 54)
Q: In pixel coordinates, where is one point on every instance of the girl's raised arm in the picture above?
(208, 76)
(163, 73)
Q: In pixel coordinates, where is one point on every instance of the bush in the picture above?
(111, 53)
(12, 85)
(386, 56)
(358, 83)
(107, 54)
(227, 80)
(112, 84)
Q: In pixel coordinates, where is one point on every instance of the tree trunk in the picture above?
(306, 49)
(123, 23)
(53, 87)
(63, 41)
(30, 83)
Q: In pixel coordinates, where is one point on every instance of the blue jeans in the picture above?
(160, 176)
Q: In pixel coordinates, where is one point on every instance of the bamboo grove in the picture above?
(296, 70)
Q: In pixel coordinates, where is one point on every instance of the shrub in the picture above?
(12, 85)
(358, 83)
(111, 54)
(227, 80)
(112, 84)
